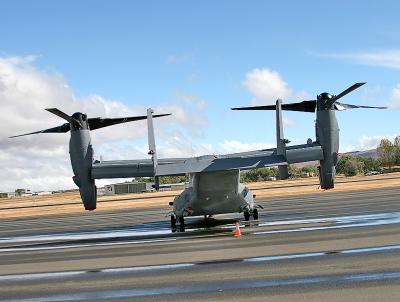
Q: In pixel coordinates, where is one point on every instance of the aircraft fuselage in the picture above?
(212, 193)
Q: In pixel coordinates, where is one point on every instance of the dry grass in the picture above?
(66, 203)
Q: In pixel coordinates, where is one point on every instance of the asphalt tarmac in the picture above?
(330, 247)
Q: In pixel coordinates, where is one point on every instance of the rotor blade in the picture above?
(305, 106)
(348, 90)
(59, 129)
(341, 106)
(96, 123)
(65, 116)
(268, 107)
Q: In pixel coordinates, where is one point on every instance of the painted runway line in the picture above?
(135, 269)
(86, 235)
(213, 287)
(341, 222)
(58, 275)
(70, 246)
(146, 234)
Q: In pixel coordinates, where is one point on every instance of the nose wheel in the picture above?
(173, 221)
(181, 221)
(247, 215)
(255, 214)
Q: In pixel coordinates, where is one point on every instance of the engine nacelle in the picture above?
(81, 154)
(327, 133)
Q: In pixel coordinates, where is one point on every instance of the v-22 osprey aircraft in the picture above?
(214, 180)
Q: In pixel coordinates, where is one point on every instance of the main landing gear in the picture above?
(247, 215)
(181, 221)
(173, 221)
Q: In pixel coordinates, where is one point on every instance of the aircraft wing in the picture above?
(129, 168)
(207, 163)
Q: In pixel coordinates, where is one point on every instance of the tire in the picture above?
(246, 216)
(173, 221)
(255, 214)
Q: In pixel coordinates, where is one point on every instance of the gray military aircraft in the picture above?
(214, 180)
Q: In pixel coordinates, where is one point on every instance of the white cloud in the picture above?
(383, 58)
(287, 122)
(236, 146)
(177, 58)
(41, 162)
(395, 97)
(302, 95)
(198, 102)
(267, 86)
(366, 143)
(181, 146)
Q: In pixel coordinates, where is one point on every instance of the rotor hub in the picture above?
(325, 96)
(82, 118)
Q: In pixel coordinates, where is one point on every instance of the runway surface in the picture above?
(330, 247)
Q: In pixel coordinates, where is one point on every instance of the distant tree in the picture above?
(397, 150)
(261, 174)
(173, 179)
(370, 164)
(350, 165)
(309, 170)
(19, 192)
(144, 179)
(341, 162)
(164, 179)
(387, 153)
(247, 176)
(294, 171)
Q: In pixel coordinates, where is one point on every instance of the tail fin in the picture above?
(152, 146)
(280, 141)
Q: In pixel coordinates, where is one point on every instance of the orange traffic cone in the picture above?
(237, 231)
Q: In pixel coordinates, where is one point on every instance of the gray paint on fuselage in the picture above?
(81, 154)
(212, 193)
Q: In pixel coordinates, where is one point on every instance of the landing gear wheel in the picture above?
(181, 224)
(246, 215)
(255, 214)
(173, 221)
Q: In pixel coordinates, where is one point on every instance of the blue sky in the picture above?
(157, 53)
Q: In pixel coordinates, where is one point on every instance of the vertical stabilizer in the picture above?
(152, 146)
(280, 141)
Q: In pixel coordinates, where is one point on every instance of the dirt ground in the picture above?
(64, 203)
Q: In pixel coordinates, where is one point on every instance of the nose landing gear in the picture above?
(173, 221)
(247, 215)
(255, 214)
(181, 221)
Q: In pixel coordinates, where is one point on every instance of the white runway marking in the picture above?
(60, 241)
(211, 287)
(339, 222)
(54, 275)
(85, 236)
(134, 269)
(69, 246)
